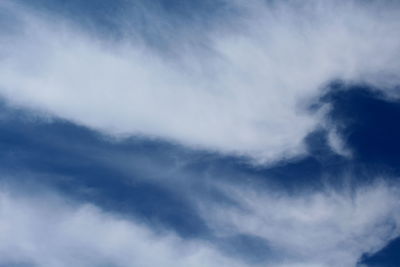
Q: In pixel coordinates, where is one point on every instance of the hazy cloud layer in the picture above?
(243, 86)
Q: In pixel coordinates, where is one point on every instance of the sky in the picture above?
(199, 133)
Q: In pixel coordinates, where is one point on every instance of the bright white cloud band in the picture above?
(247, 94)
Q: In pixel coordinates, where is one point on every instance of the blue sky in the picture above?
(199, 133)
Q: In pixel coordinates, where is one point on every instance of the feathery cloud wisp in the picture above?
(248, 93)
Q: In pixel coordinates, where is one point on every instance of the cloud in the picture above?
(320, 228)
(242, 87)
(52, 231)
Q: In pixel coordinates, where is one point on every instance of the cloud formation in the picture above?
(246, 90)
(321, 229)
(328, 228)
(52, 231)
(248, 83)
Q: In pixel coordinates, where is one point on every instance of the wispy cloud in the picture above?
(328, 228)
(321, 229)
(52, 231)
(246, 84)
(245, 91)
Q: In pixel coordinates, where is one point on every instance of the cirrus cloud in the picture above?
(248, 92)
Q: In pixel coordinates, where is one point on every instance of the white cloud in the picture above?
(49, 231)
(326, 229)
(319, 229)
(245, 94)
